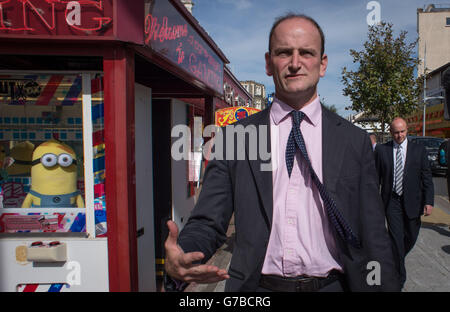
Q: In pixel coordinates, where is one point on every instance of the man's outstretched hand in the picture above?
(179, 265)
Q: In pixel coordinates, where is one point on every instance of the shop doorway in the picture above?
(144, 189)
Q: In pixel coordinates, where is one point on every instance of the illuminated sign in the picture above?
(230, 115)
(434, 120)
(56, 17)
(19, 90)
(169, 34)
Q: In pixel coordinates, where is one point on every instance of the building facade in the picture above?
(234, 93)
(111, 87)
(437, 122)
(258, 93)
(433, 27)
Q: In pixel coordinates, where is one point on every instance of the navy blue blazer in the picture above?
(418, 188)
(240, 187)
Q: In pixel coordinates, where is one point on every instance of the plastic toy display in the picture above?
(49, 120)
(53, 177)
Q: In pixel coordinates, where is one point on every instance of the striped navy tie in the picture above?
(337, 220)
(399, 172)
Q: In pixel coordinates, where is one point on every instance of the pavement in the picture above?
(220, 259)
(427, 265)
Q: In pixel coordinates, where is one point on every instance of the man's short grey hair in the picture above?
(291, 15)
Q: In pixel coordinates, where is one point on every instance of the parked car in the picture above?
(432, 145)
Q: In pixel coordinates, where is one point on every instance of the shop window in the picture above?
(241, 101)
(52, 153)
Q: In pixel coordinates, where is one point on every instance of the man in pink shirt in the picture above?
(315, 221)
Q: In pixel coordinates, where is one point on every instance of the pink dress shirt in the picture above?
(301, 240)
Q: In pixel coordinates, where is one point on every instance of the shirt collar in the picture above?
(281, 110)
(404, 144)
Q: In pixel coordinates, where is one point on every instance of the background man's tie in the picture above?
(399, 172)
(337, 220)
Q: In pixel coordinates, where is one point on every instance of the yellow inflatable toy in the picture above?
(53, 177)
(22, 154)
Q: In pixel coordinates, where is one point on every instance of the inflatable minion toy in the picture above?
(54, 177)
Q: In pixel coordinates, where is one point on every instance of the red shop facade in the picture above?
(106, 80)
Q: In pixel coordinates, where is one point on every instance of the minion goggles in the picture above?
(50, 160)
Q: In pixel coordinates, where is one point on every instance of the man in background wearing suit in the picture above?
(315, 222)
(406, 189)
(373, 139)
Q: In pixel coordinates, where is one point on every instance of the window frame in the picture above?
(89, 209)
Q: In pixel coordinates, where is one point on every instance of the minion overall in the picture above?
(53, 177)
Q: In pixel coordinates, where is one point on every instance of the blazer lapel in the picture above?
(390, 158)
(260, 168)
(332, 149)
(409, 154)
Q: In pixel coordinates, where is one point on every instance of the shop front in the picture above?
(435, 123)
(234, 93)
(89, 94)
(436, 119)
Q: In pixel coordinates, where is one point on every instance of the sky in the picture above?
(240, 28)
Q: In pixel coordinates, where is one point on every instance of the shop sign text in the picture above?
(162, 32)
(169, 34)
(54, 17)
(19, 90)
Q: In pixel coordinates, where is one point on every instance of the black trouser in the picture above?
(403, 232)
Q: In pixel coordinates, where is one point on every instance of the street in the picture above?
(427, 265)
(440, 189)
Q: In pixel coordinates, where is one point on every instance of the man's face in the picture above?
(399, 130)
(294, 61)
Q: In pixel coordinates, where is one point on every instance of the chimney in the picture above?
(189, 4)
(430, 8)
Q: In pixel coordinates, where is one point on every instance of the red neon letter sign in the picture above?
(24, 15)
(155, 31)
(103, 21)
(50, 22)
(25, 2)
(2, 25)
